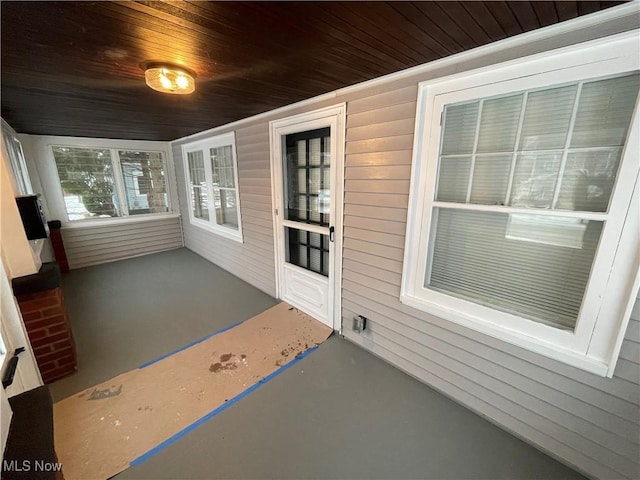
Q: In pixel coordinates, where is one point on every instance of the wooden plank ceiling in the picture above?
(72, 68)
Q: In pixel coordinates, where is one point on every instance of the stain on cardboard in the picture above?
(106, 393)
(226, 357)
(179, 396)
(218, 367)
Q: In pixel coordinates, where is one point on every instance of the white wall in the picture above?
(587, 421)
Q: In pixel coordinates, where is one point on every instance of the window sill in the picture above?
(235, 235)
(101, 222)
(550, 350)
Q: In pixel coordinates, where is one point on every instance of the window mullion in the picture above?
(567, 143)
(475, 149)
(119, 182)
(599, 216)
(514, 159)
(208, 175)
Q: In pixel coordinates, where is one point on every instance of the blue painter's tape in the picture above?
(154, 451)
(188, 345)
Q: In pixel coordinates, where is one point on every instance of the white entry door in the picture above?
(307, 158)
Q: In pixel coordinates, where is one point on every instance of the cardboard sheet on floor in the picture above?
(101, 430)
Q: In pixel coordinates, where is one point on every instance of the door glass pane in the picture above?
(308, 174)
(308, 250)
(198, 181)
(535, 266)
(144, 181)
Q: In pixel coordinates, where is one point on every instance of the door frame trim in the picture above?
(339, 112)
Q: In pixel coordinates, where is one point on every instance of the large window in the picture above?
(104, 182)
(524, 183)
(212, 185)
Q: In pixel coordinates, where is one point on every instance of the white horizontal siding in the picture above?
(94, 245)
(590, 422)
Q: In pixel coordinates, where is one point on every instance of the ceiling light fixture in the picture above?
(169, 78)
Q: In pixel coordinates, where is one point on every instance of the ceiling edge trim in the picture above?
(611, 14)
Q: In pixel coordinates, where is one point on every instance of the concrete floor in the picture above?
(338, 413)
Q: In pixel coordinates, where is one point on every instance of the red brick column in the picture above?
(48, 328)
(58, 245)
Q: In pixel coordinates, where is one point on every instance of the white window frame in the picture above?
(223, 140)
(18, 163)
(52, 188)
(595, 343)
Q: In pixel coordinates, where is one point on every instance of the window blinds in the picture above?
(556, 148)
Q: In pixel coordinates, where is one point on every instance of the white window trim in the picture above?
(52, 189)
(18, 165)
(222, 140)
(596, 342)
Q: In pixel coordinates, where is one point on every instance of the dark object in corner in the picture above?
(31, 438)
(35, 225)
(58, 244)
(48, 277)
(11, 368)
